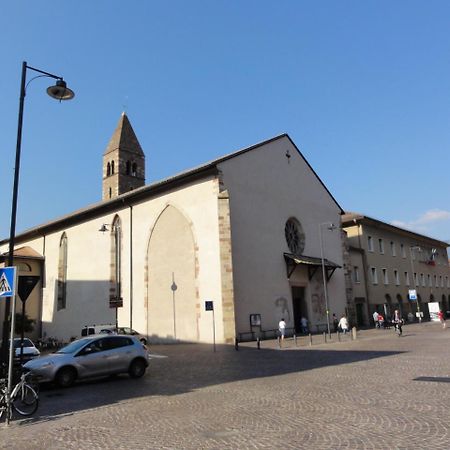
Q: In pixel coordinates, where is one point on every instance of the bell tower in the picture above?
(123, 161)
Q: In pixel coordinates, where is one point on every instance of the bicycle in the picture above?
(23, 399)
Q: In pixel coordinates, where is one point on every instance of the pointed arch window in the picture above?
(62, 274)
(128, 168)
(134, 170)
(112, 167)
(108, 169)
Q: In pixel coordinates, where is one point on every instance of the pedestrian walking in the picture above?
(343, 324)
(398, 322)
(282, 330)
(375, 319)
(304, 324)
(335, 323)
(441, 318)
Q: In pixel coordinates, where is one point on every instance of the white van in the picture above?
(111, 329)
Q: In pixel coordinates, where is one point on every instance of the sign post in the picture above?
(8, 283)
(209, 306)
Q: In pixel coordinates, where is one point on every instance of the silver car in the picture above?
(92, 356)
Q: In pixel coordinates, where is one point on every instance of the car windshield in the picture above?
(74, 346)
(26, 343)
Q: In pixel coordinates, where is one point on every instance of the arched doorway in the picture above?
(172, 302)
(400, 306)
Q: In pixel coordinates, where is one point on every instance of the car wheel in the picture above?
(137, 368)
(143, 341)
(65, 377)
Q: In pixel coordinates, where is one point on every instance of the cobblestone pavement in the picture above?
(376, 392)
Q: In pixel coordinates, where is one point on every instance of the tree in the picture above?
(27, 325)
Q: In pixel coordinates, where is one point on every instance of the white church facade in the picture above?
(247, 232)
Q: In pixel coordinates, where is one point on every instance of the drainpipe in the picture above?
(131, 266)
(365, 271)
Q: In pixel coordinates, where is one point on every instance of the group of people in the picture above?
(397, 321)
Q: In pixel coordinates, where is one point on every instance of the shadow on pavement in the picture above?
(178, 369)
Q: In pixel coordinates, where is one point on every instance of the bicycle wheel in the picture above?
(25, 401)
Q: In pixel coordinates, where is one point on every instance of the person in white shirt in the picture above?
(343, 324)
(282, 330)
(375, 319)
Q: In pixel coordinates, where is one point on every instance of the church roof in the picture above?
(124, 138)
(150, 190)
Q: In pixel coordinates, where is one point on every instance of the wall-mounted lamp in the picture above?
(103, 228)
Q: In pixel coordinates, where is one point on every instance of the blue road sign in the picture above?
(7, 277)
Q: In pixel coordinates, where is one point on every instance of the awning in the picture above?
(292, 261)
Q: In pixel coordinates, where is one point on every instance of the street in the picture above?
(379, 391)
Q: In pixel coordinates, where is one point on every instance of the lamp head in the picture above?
(103, 228)
(60, 91)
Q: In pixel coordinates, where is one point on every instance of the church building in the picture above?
(221, 251)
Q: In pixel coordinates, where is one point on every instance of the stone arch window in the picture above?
(295, 237)
(62, 274)
(112, 167)
(110, 192)
(115, 286)
(134, 170)
(128, 168)
(108, 169)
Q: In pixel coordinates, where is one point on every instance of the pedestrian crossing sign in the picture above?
(7, 277)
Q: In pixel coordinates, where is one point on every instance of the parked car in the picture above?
(29, 349)
(111, 329)
(93, 356)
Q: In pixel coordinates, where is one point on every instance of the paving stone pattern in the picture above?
(377, 392)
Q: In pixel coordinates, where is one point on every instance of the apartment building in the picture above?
(387, 265)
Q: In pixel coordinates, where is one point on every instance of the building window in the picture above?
(112, 167)
(436, 281)
(416, 279)
(385, 276)
(393, 249)
(134, 170)
(110, 192)
(407, 278)
(381, 246)
(356, 277)
(402, 250)
(422, 279)
(295, 237)
(373, 272)
(430, 283)
(441, 281)
(108, 169)
(396, 277)
(128, 168)
(62, 274)
(370, 243)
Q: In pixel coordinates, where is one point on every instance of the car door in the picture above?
(92, 360)
(119, 353)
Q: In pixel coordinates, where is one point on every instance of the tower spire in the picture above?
(123, 161)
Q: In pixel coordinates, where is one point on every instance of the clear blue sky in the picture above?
(361, 87)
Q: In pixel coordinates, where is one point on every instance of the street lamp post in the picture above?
(330, 227)
(60, 92)
(411, 252)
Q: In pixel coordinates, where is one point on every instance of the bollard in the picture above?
(279, 341)
(324, 337)
(295, 339)
(236, 344)
(339, 336)
(310, 339)
(258, 343)
(354, 333)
